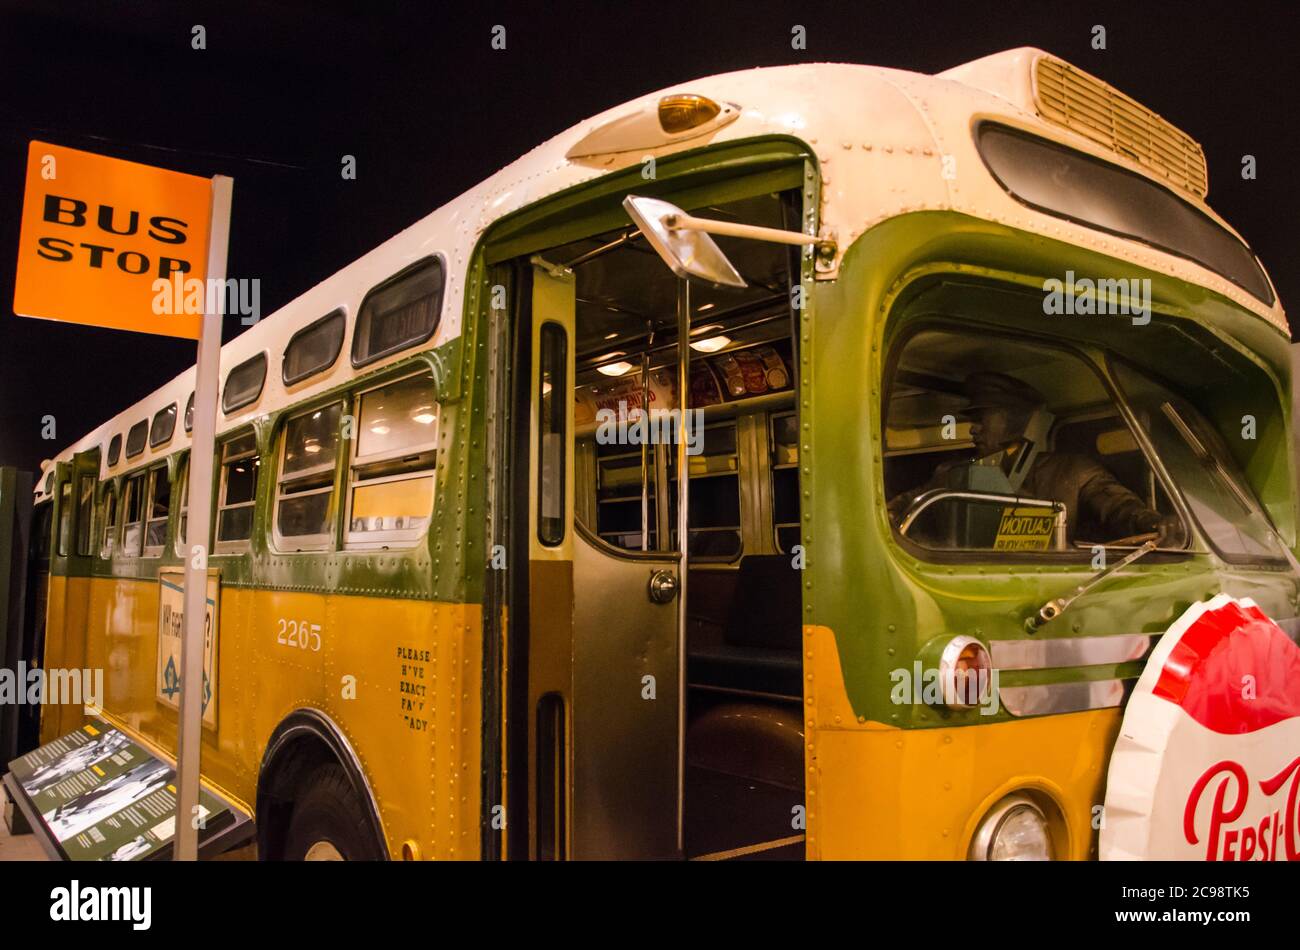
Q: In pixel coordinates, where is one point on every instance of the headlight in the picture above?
(1015, 829)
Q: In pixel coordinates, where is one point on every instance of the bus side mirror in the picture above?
(688, 252)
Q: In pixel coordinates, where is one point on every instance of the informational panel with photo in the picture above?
(104, 797)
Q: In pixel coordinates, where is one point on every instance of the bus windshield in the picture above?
(1199, 462)
(994, 443)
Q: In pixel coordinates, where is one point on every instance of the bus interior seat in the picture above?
(746, 628)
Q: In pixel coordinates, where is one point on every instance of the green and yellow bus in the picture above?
(454, 619)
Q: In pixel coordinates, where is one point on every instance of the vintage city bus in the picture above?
(452, 616)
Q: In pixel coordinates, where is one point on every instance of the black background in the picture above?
(417, 94)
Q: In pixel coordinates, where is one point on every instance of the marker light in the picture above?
(964, 672)
(681, 113)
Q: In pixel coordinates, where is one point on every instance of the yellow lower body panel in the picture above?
(400, 678)
(876, 791)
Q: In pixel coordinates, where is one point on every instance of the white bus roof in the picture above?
(888, 141)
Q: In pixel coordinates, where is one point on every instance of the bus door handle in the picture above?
(663, 586)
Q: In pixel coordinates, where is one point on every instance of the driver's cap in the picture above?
(998, 390)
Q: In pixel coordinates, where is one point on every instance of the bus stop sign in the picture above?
(98, 232)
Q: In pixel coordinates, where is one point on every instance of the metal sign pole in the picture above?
(683, 537)
(199, 528)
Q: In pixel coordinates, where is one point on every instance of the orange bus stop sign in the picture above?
(97, 232)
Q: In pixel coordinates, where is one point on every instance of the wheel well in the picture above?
(301, 743)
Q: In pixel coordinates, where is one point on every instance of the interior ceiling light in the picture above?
(710, 344)
(615, 369)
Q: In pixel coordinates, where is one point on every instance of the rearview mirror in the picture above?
(689, 253)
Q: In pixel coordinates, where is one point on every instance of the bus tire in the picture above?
(328, 823)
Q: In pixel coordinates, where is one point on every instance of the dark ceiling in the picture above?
(428, 107)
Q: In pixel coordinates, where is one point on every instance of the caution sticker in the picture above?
(1025, 529)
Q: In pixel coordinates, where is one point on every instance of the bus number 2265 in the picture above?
(300, 634)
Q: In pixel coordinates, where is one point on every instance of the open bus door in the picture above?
(603, 640)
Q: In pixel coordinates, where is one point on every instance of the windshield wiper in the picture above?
(1054, 608)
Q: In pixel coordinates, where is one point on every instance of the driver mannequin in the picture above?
(1001, 408)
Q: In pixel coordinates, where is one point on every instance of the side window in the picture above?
(108, 520)
(164, 424)
(401, 312)
(715, 494)
(1216, 490)
(133, 502)
(785, 480)
(65, 519)
(314, 348)
(551, 435)
(239, 468)
(183, 522)
(243, 385)
(85, 513)
(157, 510)
(994, 444)
(394, 455)
(304, 500)
(136, 437)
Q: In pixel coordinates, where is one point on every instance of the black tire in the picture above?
(329, 813)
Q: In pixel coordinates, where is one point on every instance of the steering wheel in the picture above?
(919, 504)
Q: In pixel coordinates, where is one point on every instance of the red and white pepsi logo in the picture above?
(1207, 763)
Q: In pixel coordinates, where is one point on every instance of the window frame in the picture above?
(64, 535)
(114, 450)
(147, 549)
(773, 468)
(360, 324)
(132, 481)
(143, 428)
(560, 409)
(183, 504)
(1071, 556)
(339, 314)
(396, 537)
(162, 439)
(1190, 517)
(228, 407)
(109, 525)
(84, 513)
(670, 483)
(237, 545)
(307, 543)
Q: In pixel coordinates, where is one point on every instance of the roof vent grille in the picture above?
(1084, 104)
